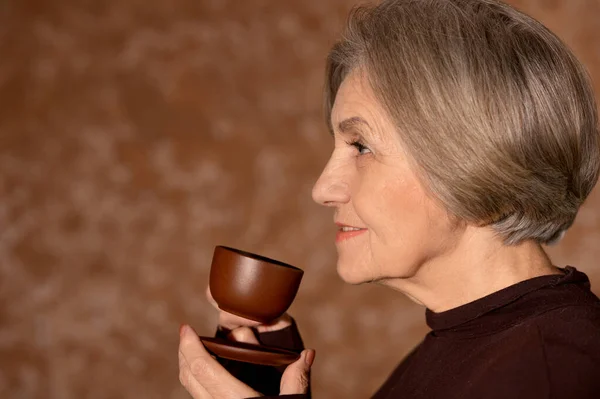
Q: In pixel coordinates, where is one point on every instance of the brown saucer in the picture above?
(249, 353)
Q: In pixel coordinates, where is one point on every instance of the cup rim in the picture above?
(260, 258)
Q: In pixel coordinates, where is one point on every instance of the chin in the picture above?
(351, 274)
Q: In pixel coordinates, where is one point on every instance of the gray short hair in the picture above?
(496, 113)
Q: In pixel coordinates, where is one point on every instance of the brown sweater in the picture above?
(536, 339)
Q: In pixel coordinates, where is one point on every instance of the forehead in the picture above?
(355, 99)
(352, 95)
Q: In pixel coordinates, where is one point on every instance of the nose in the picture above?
(332, 188)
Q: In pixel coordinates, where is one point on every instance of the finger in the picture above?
(243, 334)
(231, 321)
(296, 377)
(202, 375)
(276, 325)
(198, 371)
(194, 388)
(210, 298)
(228, 320)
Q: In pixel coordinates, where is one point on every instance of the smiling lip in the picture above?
(345, 232)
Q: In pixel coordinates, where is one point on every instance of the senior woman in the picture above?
(465, 137)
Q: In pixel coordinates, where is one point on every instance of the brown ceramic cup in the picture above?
(252, 286)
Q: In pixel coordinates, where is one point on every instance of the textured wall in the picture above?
(134, 136)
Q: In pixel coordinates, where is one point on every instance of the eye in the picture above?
(361, 148)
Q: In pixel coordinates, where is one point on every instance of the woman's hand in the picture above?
(205, 378)
(241, 328)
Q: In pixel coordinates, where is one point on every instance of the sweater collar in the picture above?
(506, 307)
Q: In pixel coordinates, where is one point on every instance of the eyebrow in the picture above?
(352, 123)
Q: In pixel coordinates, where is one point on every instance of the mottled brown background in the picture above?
(134, 136)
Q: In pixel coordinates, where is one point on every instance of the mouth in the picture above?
(346, 232)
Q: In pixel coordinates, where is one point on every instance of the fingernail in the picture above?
(182, 328)
(309, 357)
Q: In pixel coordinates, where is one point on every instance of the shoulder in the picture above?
(570, 339)
(556, 354)
(572, 330)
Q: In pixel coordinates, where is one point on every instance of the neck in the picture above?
(478, 265)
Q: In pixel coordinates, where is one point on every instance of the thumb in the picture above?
(296, 377)
(243, 334)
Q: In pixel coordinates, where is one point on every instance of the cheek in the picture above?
(402, 221)
(413, 227)
(401, 230)
(390, 207)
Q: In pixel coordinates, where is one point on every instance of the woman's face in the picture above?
(388, 227)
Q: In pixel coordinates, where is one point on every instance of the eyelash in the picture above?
(359, 146)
